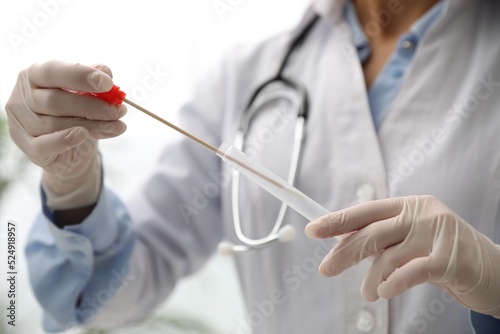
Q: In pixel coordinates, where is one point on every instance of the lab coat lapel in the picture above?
(416, 107)
(347, 150)
(331, 10)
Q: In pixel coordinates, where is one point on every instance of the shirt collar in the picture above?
(423, 24)
(418, 29)
(351, 17)
(332, 10)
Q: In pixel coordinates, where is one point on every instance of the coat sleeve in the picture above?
(124, 259)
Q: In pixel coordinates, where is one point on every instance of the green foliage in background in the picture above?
(12, 161)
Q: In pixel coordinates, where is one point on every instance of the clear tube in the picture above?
(271, 182)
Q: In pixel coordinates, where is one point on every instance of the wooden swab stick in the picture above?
(199, 141)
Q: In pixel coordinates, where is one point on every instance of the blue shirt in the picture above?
(95, 253)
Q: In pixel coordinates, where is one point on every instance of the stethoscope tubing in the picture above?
(299, 135)
(247, 243)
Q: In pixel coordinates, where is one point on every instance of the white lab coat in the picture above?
(441, 137)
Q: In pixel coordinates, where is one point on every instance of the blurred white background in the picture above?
(177, 39)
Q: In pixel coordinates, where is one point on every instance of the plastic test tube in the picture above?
(279, 188)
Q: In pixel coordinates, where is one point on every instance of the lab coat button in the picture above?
(365, 193)
(408, 44)
(365, 321)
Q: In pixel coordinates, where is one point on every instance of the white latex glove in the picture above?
(59, 130)
(417, 239)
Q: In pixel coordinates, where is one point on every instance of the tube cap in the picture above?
(114, 96)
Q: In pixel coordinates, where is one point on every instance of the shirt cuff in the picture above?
(96, 227)
(484, 324)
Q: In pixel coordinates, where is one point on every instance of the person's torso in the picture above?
(441, 137)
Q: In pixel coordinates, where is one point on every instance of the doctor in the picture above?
(404, 101)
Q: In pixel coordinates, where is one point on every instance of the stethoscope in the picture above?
(295, 94)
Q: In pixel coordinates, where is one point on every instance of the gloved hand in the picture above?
(417, 239)
(58, 130)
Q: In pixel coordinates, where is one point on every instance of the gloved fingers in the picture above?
(354, 218)
(43, 149)
(97, 129)
(40, 124)
(370, 240)
(103, 68)
(58, 102)
(56, 136)
(389, 261)
(58, 74)
(72, 165)
(392, 275)
(106, 130)
(413, 273)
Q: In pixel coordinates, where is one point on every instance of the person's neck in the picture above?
(387, 19)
